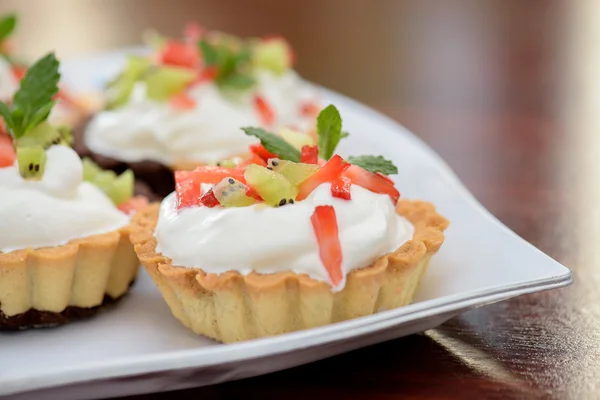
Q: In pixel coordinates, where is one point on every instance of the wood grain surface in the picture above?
(507, 91)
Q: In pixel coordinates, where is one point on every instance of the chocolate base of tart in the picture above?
(153, 179)
(33, 318)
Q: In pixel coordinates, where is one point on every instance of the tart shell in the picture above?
(231, 307)
(64, 280)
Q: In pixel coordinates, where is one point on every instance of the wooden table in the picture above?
(506, 91)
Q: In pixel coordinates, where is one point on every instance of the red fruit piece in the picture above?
(310, 109)
(265, 111)
(328, 172)
(214, 175)
(263, 153)
(134, 204)
(182, 102)
(179, 54)
(19, 72)
(7, 151)
(254, 159)
(187, 189)
(324, 222)
(208, 199)
(340, 188)
(309, 154)
(373, 182)
(208, 74)
(250, 192)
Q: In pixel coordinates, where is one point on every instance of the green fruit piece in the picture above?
(90, 170)
(44, 135)
(273, 54)
(232, 193)
(294, 172)
(230, 163)
(164, 82)
(273, 187)
(66, 133)
(122, 188)
(32, 162)
(295, 138)
(119, 90)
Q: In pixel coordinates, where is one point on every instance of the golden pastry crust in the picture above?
(231, 307)
(77, 274)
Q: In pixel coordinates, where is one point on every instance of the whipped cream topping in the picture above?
(56, 209)
(8, 81)
(148, 130)
(268, 240)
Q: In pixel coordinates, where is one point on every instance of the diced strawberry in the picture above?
(309, 154)
(179, 54)
(7, 151)
(265, 111)
(373, 182)
(182, 102)
(340, 188)
(208, 199)
(187, 189)
(193, 31)
(263, 153)
(328, 172)
(387, 178)
(19, 71)
(213, 175)
(324, 222)
(251, 192)
(310, 109)
(254, 159)
(208, 74)
(133, 205)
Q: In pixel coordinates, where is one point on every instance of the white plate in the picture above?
(139, 347)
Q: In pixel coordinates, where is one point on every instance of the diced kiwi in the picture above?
(295, 138)
(273, 187)
(272, 54)
(232, 193)
(90, 169)
(118, 188)
(296, 173)
(164, 82)
(119, 90)
(229, 163)
(44, 135)
(66, 133)
(32, 162)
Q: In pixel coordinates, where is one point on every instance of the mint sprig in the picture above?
(274, 144)
(232, 64)
(7, 26)
(374, 164)
(329, 131)
(33, 101)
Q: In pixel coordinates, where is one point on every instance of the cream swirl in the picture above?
(147, 130)
(56, 209)
(268, 240)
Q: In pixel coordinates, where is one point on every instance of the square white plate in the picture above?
(139, 347)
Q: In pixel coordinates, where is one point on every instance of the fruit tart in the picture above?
(182, 106)
(65, 249)
(305, 240)
(70, 110)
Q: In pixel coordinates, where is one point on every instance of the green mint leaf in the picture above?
(36, 91)
(274, 144)
(329, 131)
(7, 26)
(209, 52)
(6, 115)
(345, 134)
(40, 116)
(374, 164)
